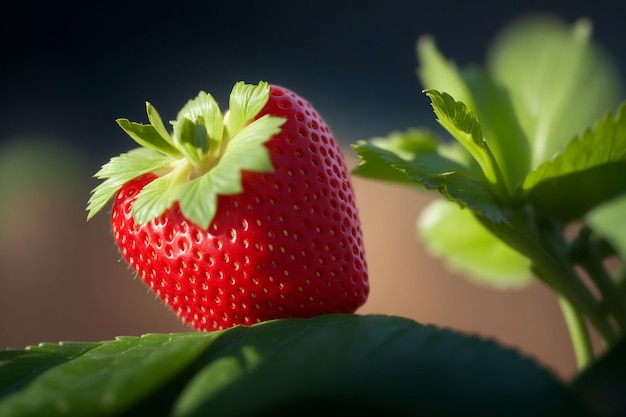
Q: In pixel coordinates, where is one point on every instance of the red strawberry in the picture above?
(241, 218)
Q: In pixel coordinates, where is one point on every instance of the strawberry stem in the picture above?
(205, 145)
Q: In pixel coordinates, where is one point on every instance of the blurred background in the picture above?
(69, 70)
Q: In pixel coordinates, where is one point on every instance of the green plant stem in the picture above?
(589, 253)
(577, 295)
(604, 283)
(543, 242)
(554, 267)
(578, 332)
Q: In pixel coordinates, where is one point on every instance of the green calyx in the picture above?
(201, 159)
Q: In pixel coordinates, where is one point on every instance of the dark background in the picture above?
(69, 70)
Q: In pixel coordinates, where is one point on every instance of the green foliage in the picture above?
(559, 82)
(463, 125)
(326, 365)
(202, 158)
(471, 246)
(246, 101)
(404, 145)
(545, 156)
(586, 173)
(149, 136)
(438, 73)
(434, 171)
(499, 124)
(121, 169)
(514, 122)
(96, 379)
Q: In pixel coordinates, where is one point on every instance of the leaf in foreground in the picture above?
(324, 365)
(601, 386)
(102, 379)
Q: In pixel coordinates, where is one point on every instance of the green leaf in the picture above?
(102, 379)
(148, 136)
(409, 143)
(161, 194)
(192, 139)
(468, 247)
(559, 81)
(462, 124)
(246, 101)
(247, 150)
(437, 73)
(489, 102)
(121, 169)
(19, 367)
(204, 110)
(244, 152)
(327, 365)
(507, 141)
(406, 145)
(157, 123)
(376, 364)
(199, 128)
(199, 161)
(198, 200)
(587, 172)
(607, 220)
(433, 171)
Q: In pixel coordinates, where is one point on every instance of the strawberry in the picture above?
(240, 217)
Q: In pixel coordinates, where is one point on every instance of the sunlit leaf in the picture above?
(507, 141)
(406, 145)
(590, 170)
(463, 125)
(204, 110)
(246, 101)
(160, 194)
(468, 247)
(559, 81)
(435, 72)
(434, 171)
(409, 143)
(121, 169)
(155, 120)
(244, 152)
(148, 136)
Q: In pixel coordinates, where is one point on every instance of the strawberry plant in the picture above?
(245, 224)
